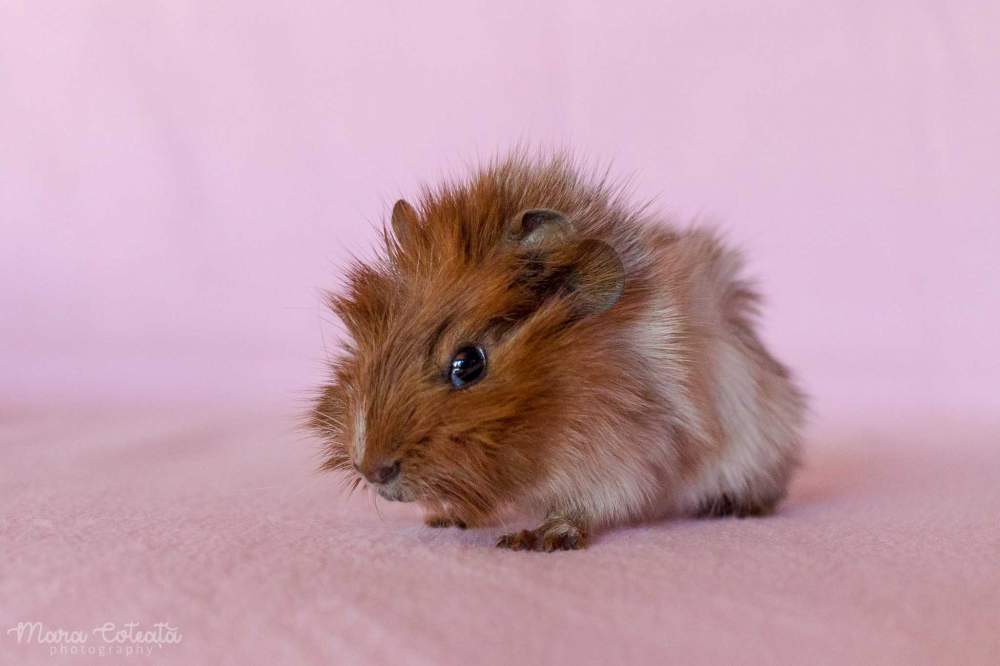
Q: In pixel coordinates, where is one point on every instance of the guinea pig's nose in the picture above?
(385, 473)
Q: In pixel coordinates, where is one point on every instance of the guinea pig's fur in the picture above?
(624, 378)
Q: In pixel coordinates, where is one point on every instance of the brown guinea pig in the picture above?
(528, 341)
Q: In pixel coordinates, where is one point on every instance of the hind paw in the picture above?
(727, 505)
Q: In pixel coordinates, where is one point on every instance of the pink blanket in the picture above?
(212, 522)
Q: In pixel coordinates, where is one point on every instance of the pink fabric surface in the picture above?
(211, 520)
(179, 178)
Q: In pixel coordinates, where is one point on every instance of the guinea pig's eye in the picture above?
(467, 366)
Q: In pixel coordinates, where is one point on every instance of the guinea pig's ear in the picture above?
(538, 227)
(405, 222)
(589, 273)
(598, 276)
(590, 270)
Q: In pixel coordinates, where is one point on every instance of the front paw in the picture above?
(443, 520)
(548, 538)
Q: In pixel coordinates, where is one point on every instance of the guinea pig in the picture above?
(527, 340)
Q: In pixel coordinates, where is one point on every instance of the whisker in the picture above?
(378, 511)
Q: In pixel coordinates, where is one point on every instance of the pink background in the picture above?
(178, 179)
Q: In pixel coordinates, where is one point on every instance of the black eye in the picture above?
(467, 366)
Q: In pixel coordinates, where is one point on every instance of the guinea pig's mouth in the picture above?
(394, 493)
